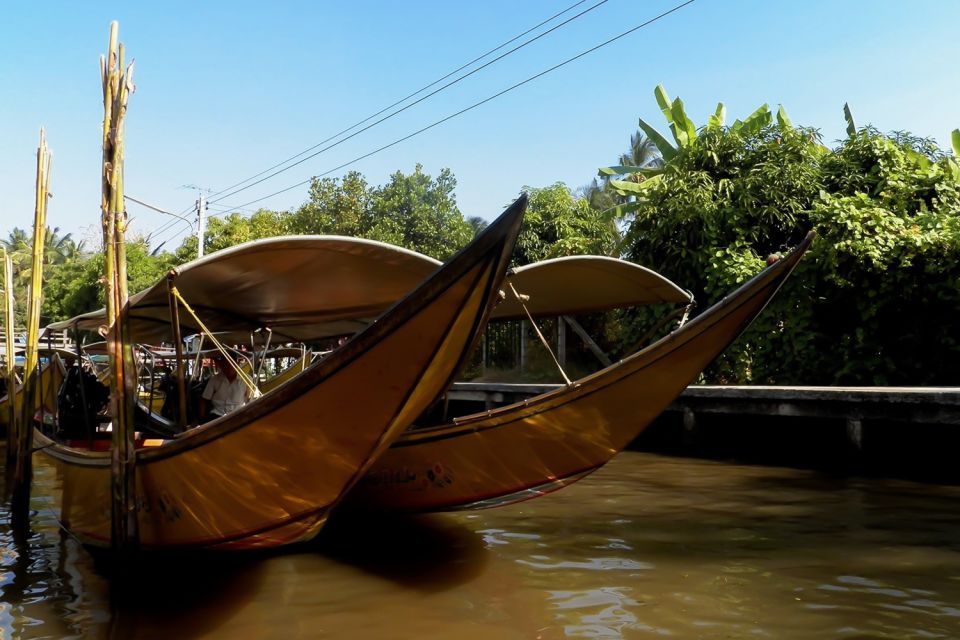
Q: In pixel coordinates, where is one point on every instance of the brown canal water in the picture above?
(648, 547)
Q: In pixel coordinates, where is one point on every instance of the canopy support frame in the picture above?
(536, 328)
(178, 350)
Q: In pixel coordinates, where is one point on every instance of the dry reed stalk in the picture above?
(117, 85)
(23, 432)
(9, 369)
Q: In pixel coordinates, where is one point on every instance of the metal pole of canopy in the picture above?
(562, 342)
(178, 350)
(580, 331)
(87, 425)
(117, 86)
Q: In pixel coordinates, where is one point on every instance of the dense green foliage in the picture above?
(76, 286)
(874, 302)
(413, 211)
(558, 224)
(59, 251)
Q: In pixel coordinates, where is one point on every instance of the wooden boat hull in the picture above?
(269, 473)
(540, 445)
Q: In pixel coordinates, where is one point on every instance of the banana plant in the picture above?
(848, 116)
(783, 120)
(753, 122)
(719, 117)
(953, 164)
(684, 135)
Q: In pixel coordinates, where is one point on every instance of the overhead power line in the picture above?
(394, 113)
(178, 218)
(475, 105)
(402, 100)
(158, 209)
(171, 232)
(163, 227)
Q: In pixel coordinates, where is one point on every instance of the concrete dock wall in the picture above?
(898, 431)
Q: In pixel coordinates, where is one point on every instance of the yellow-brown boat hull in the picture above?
(533, 447)
(269, 473)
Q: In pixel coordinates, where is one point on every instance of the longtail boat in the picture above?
(268, 473)
(531, 448)
(361, 277)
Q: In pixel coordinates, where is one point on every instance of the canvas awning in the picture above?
(302, 287)
(584, 284)
(306, 288)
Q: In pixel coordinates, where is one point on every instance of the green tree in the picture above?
(418, 212)
(477, 224)
(334, 207)
(559, 224)
(873, 301)
(59, 250)
(642, 154)
(76, 286)
(414, 211)
(234, 229)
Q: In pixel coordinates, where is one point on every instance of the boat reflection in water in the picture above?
(647, 547)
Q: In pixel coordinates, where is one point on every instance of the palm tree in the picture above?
(598, 196)
(57, 250)
(642, 152)
(477, 224)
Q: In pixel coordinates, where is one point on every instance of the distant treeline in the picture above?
(875, 301)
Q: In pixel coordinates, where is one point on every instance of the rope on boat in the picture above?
(686, 314)
(196, 363)
(542, 339)
(240, 372)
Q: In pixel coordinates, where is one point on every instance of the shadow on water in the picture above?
(177, 594)
(423, 552)
(51, 586)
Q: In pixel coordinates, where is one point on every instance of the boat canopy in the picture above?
(584, 284)
(312, 287)
(302, 287)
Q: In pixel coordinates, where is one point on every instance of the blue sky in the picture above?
(226, 89)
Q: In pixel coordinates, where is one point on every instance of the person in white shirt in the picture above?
(225, 392)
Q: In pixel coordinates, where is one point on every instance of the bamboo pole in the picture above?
(23, 467)
(9, 370)
(117, 85)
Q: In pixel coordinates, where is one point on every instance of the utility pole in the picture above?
(201, 221)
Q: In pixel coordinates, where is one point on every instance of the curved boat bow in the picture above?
(268, 473)
(533, 447)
